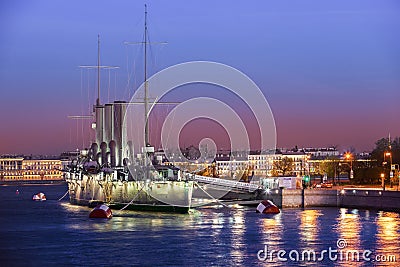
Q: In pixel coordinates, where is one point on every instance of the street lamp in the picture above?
(388, 154)
(383, 181)
(308, 157)
(349, 156)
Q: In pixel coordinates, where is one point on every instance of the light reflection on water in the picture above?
(214, 236)
(348, 228)
(309, 227)
(234, 228)
(271, 229)
(388, 233)
(237, 231)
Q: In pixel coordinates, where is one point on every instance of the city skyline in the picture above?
(330, 71)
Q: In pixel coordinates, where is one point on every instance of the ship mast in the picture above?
(97, 120)
(146, 107)
(98, 70)
(145, 42)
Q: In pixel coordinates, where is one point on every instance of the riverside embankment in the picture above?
(347, 198)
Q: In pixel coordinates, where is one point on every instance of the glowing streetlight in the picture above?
(383, 180)
(349, 156)
(388, 154)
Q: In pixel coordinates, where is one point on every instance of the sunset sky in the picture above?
(330, 70)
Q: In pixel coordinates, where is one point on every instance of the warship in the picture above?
(110, 172)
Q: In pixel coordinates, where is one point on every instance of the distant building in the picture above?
(230, 168)
(17, 168)
(264, 165)
(11, 168)
(260, 165)
(322, 153)
(300, 162)
(231, 164)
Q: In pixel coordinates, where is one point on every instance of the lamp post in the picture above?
(389, 155)
(308, 168)
(336, 169)
(383, 181)
(349, 157)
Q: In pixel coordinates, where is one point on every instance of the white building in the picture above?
(263, 165)
(231, 168)
(18, 168)
(300, 162)
(322, 152)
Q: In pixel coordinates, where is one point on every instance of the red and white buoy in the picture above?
(39, 197)
(267, 207)
(101, 211)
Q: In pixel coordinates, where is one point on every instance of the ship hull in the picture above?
(164, 196)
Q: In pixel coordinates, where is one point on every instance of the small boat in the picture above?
(267, 207)
(101, 211)
(39, 197)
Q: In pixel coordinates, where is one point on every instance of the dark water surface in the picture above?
(54, 232)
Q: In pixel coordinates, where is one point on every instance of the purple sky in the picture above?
(330, 70)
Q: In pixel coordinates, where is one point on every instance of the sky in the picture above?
(330, 70)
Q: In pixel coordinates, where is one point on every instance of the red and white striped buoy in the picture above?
(267, 207)
(101, 211)
(39, 197)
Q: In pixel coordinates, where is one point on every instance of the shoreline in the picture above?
(33, 182)
(358, 198)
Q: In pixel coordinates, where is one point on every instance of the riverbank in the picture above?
(32, 182)
(365, 198)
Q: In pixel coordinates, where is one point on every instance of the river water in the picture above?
(55, 233)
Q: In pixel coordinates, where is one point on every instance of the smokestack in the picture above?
(119, 130)
(103, 149)
(98, 159)
(93, 151)
(131, 152)
(99, 124)
(112, 146)
(109, 123)
(108, 157)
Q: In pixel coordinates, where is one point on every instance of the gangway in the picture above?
(235, 185)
